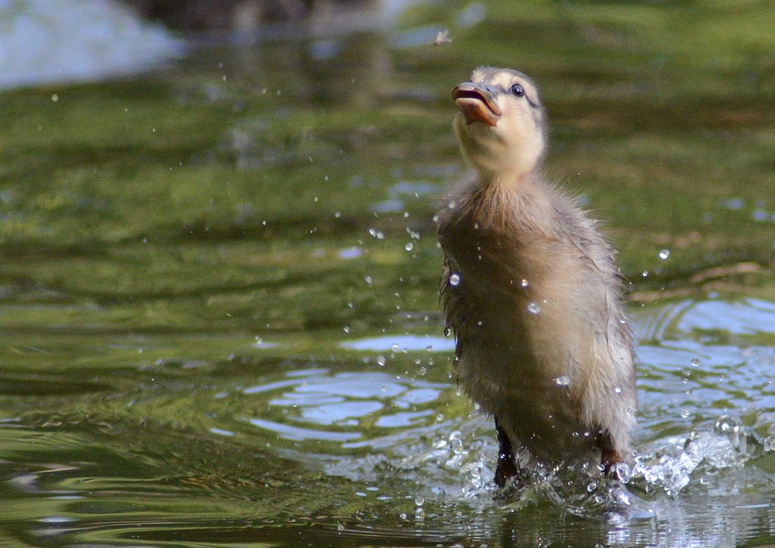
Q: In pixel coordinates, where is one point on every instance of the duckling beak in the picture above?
(476, 103)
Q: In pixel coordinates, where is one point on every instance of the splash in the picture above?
(674, 462)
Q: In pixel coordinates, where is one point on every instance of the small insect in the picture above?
(442, 38)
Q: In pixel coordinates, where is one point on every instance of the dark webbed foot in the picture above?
(506, 468)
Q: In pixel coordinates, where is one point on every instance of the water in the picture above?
(215, 332)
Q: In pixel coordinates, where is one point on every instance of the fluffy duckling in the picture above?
(531, 291)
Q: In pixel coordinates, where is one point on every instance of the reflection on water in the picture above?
(403, 343)
(748, 316)
(343, 400)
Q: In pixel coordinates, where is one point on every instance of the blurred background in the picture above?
(219, 270)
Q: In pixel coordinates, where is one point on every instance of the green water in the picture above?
(218, 291)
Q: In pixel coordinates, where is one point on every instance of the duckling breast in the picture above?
(531, 308)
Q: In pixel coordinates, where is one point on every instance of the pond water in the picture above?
(218, 293)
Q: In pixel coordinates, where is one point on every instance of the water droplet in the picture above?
(394, 347)
(414, 235)
(422, 372)
(533, 308)
(562, 381)
(524, 283)
(381, 361)
(419, 500)
(726, 424)
(346, 329)
(439, 417)
(451, 204)
(378, 234)
(476, 226)
(664, 254)
(369, 280)
(618, 389)
(623, 471)
(695, 362)
(409, 246)
(645, 273)
(591, 486)
(454, 279)
(685, 413)
(456, 444)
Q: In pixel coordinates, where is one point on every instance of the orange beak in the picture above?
(476, 103)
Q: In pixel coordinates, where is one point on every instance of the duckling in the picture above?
(531, 291)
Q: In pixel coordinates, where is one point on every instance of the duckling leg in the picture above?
(609, 457)
(506, 467)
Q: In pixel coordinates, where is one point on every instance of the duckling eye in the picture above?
(517, 90)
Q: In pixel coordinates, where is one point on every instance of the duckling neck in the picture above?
(507, 181)
(508, 203)
(512, 173)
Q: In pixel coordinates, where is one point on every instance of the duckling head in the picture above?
(500, 123)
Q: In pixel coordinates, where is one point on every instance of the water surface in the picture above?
(218, 297)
